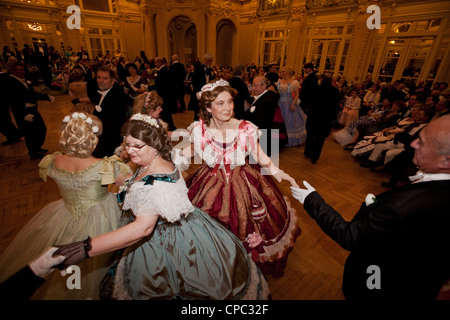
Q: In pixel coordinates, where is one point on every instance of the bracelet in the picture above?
(87, 246)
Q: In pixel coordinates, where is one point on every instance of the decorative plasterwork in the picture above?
(298, 12)
(224, 11)
(271, 7)
(313, 4)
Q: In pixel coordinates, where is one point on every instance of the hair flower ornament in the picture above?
(145, 118)
(370, 198)
(82, 116)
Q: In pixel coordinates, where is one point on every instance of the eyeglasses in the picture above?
(133, 148)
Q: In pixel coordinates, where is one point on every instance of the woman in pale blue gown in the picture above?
(294, 117)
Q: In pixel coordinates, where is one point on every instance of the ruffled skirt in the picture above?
(252, 207)
(194, 258)
(295, 122)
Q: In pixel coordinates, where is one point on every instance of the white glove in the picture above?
(52, 98)
(181, 162)
(280, 175)
(29, 117)
(44, 265)
(301, 194)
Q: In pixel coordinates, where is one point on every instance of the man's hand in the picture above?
(45, 264)
(301, 194)
(29, 118)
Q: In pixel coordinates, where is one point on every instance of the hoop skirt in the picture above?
(295, 121)
(86, 209)
(245, 201)
(189, 255)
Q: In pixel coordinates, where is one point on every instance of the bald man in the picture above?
(398, 241)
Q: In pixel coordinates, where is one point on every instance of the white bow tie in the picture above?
(416, 177)
(102, 92)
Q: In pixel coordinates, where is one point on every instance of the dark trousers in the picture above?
(313, 146)
(7, 127)
(34, 133)
(166, 116)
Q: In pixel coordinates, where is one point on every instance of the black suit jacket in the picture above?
(265, 107)
(307, 93)
(19, 95)
(178, 76)
(323, 111)
(242, 96)
(262, 117)
(113, 116)
(404, 232)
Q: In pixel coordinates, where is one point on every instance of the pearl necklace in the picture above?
(143, 169)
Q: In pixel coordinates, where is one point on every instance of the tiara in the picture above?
(211, 86)
(145, 118)
(82, 116)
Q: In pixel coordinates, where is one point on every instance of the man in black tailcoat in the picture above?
(202, 75)
(398, 240)
(262, 110)
(179, 73)
(320, 118)
(164, 86)
(243, 94)
(23, 102)
(111, 104)
(309, 85)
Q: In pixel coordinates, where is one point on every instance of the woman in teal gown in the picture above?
(173, 249)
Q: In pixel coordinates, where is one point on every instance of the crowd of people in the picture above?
(215, 235)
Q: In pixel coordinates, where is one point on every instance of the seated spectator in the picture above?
(399, 136)
(350, 112)
(370, 100)
(345, 135)
(388, 119)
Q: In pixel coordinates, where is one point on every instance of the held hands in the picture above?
(29, 117)
(301, 194)
(45, 264)
(279, 174)
(73, 252)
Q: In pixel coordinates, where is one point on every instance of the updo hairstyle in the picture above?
(208, 97)
(154, 137)
(77, 137)
(154, 100)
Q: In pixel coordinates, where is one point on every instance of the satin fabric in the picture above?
(86, 209)
(249, 202)
(194, 258)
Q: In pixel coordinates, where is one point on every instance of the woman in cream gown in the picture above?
(85, 209)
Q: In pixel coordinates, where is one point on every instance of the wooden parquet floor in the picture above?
(315, 265)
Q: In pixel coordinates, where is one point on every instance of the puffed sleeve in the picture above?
(111, 168)
(44, 165)
(295, 85)
(168, 200)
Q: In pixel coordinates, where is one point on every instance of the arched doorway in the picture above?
(182, 39)
(226, 33)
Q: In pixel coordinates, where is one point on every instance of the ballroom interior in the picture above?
(411, 44)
